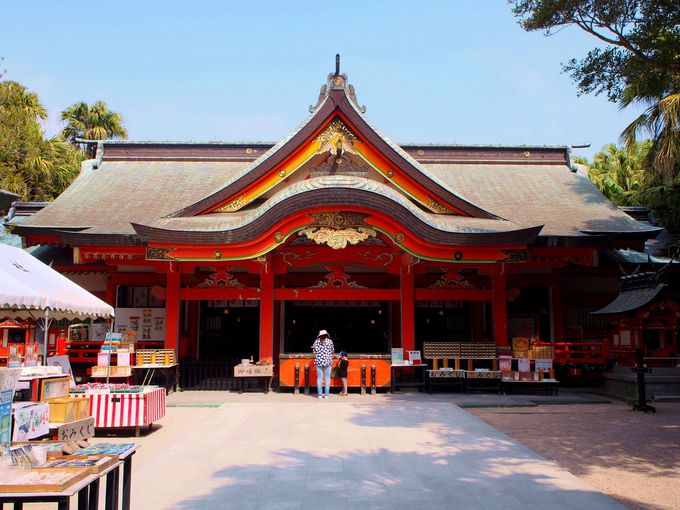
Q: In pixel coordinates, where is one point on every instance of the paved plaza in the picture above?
(281, 451)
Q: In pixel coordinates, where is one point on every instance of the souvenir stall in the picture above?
(15, 336)
(30, 289)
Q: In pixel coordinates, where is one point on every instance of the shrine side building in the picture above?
(232, 250)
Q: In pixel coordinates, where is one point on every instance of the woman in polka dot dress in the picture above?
(323, 359)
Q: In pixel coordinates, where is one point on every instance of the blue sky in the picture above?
(438, 72)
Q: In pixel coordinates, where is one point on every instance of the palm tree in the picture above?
(94, 122)
(15, 95)
(619, 172)
(661, 120)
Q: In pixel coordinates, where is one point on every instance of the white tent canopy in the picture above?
(29, 288)
(26, 284)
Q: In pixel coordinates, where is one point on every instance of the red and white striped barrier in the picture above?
(126, 409)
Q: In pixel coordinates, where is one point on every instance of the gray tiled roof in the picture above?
(227, 221)
(109, 198)
(631, 299)
(551, 195)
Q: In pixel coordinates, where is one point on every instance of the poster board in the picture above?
(414, 357)
(543, 365)
(30, 421)
(5, 416)
(523, 365)
(505, 363)
(149, 323)
(397, 356)
(9, 378)
(65, 365)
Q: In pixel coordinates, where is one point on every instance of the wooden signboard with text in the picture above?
(254, 371)
(75, 430)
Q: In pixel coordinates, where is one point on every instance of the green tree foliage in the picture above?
(30, 165)
(94, 122)
(641, 40)
(621, 174)
(638, 62)
(618, 172)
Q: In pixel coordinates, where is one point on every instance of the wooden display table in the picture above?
(447, 378)
(145, 374)
(257, 372)
(85, 486)
(399, 382)
(483, 380)
(126, 410)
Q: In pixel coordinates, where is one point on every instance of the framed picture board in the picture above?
(53, 387)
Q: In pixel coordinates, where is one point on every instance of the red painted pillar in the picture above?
(267, 311)
(500, 306)
(110, 298)
(407, 303)
(557, 312)
(174, 278)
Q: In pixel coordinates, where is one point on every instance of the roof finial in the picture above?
(337, 64)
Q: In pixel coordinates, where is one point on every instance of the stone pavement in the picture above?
(281, 451)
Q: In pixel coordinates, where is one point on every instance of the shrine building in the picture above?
(224, 251)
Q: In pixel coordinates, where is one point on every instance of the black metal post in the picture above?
(83, 498)
(641, 369)
(307, 379)
(93, 498)
(363, 379)
(296, 388)
(127, 482)
(373, 382)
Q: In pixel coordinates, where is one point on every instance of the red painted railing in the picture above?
(578, 353)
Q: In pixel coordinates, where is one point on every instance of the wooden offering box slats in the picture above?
(156, 357)
(444, 351)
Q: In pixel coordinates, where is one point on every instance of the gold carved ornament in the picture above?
(336, 132)
(436, 207)
(234, 205)
(338, 238)
(339, 219)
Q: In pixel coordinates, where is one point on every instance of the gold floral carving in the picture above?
(159, 254)
(336, 130)
(278, 237)
(339, 219)
(436, 207)
(452, 280)
(338, 238)
(399, 237)
(221, 279)
(234, 205)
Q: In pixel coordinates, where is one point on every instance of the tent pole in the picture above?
(46, 326)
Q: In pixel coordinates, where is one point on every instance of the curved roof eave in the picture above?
(342, 192)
